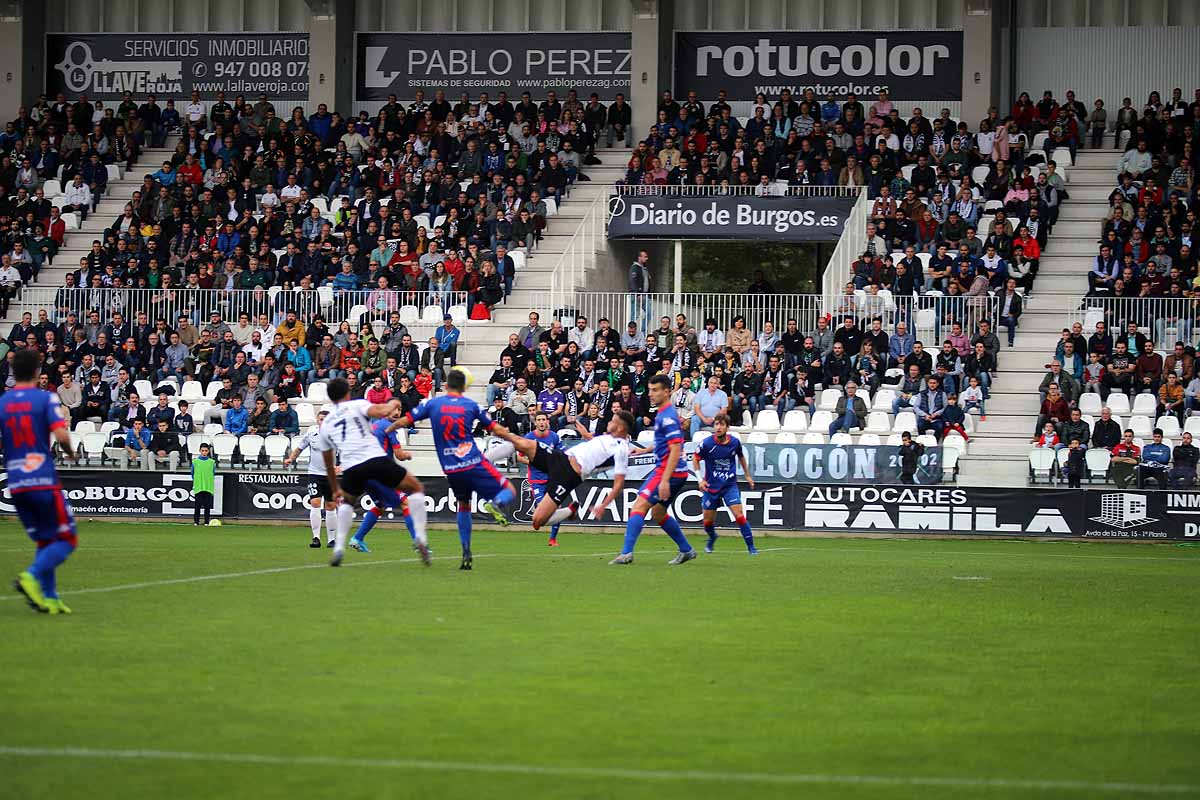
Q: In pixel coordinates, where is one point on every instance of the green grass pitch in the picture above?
(229, 662)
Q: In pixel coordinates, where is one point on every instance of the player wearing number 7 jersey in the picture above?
(346, 434)
(453, 417)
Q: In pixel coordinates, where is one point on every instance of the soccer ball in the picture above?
(214, 523)
(466, 374)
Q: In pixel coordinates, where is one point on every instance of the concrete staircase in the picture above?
(999, 451)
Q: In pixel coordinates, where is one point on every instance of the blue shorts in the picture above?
(730, 496)
(649, 490)
(483, 479)
(383, 497)
(46, 516)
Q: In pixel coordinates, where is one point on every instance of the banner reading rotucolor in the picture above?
(172, 65)
(909, 64)
(777, 219)
(403, 63)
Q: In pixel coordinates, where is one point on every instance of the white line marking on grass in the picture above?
(601, 772)
(323, 565)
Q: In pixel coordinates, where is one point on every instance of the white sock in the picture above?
(314, 521)
(499, 450)
(562, 515)
(331, 523)
(345, 516)
(416, 510)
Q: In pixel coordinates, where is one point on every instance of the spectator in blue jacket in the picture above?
(1155, 458)
(237, 419)
(447, 339)
(165, 176)
(284, 420)
(300, 357)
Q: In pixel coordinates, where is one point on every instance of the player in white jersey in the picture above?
(346, 434)
(565, 470)
(316, 486)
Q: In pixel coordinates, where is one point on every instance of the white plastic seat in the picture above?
(458, 314)
(85, 426)
(518, 257)
(1192, 425)
(905, 421)
(191, 390)
(1041, 463)
(980, 173)
(276, 447)
(108, 427)
(878, 422)
(409, 315)
(795, 421)
(768, 421)
(1169, 425)
(194, 440)
(645, 439)
(432, 315)
(1118, 403)
(883, 401)
(869, 440)
(841, 438)
(143, 389)
(927, 439)
(52, 188)
(318, 393)
(785, 437)
(213, 428)
(1097, 462)
(250, 445)
(812, 437)
(1141, 426)
(895, 440)
(551, 206)
(955, 441)
(210, 391)
(1146, 404)
(306, 414)
(757, 437)
(93, 446)
(224, 445)
(949, 463)
(700, 436)
(1089, 403)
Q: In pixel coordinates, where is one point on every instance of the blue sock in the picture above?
(633, 529)
(464, 529)
(676, 533)
(711, 530)
(744, 527)
(504, 498)
(408, 523)
(554, 532)
(48, 559)
(368, 522)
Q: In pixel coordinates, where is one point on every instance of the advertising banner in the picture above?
(402, 63)
(173, 65)
(129, 493)
(775, 219)
(923, 65)
(1141, 515)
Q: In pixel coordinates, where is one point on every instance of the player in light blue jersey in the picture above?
(29, 417)
(720, 454)
(386, 430)
(453, 417)
(668, 478)
(537, 478)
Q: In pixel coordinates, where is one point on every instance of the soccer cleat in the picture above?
(552, 543)
(336, 559)
(496, 513)
(57, 606)
(711, 543)
(624, 558)
(316, 542)
(466, 560)
(426, 553)
(682, 558)
(359, 545)
(29, 586)
(329, 543)
(752, 550)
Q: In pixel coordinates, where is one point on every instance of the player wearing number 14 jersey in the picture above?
(29, 417)
(453, 417)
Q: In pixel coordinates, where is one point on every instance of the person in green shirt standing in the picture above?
(204, 470)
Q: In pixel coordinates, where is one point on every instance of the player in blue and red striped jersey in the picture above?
(28, 418)
(720, 454)
(537, 479)
(386, 430)
(453, 418)
(668, 478)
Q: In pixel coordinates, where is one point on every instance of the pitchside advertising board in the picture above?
(775, 219)
(403, 63)
(907, 64)
(172, 65)
(841, 507)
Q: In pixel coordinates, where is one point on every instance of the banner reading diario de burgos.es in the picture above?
(778, 219)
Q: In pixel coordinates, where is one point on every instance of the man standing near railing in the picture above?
(639, 287)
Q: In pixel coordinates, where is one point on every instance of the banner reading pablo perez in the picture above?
(776, 219)
(402, 63)
(173, 65)
(909, 64)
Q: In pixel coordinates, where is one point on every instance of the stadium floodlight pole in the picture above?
(678, 275)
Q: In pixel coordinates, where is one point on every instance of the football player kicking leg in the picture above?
(718, 481)
(566, 470)
(384, 499)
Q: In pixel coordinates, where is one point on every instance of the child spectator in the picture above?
(204, 468)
